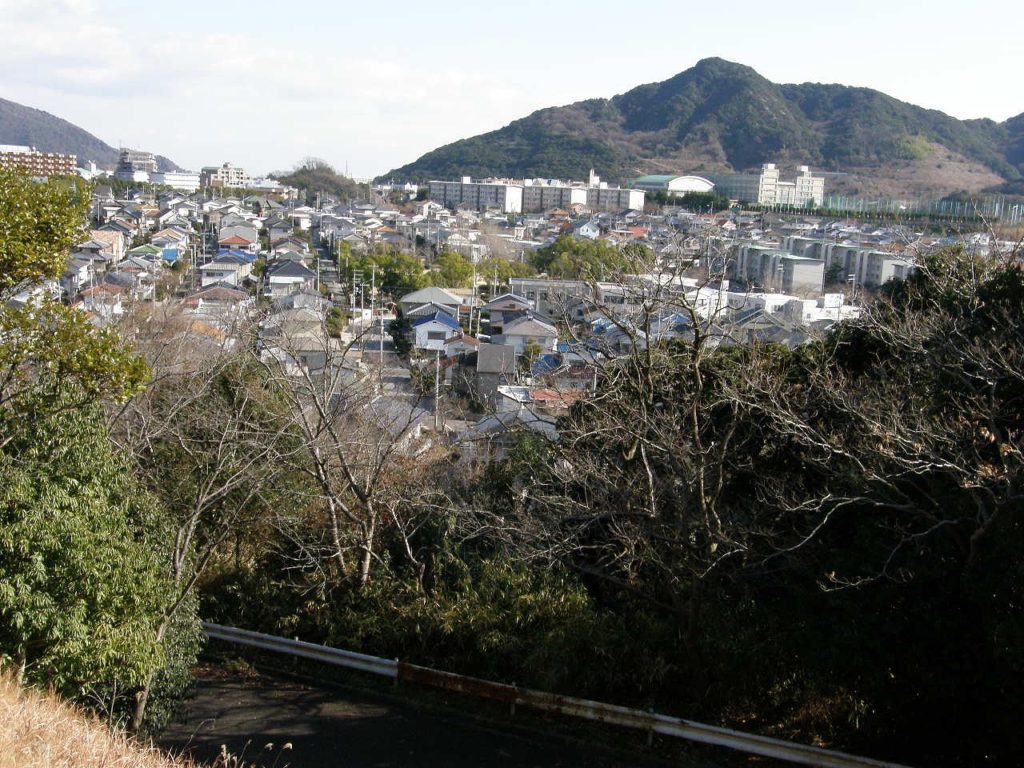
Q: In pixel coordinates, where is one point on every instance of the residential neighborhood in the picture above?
(420, 385)
(505, 337)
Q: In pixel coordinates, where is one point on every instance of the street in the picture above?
(354, 728)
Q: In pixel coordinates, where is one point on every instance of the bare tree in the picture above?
(208, 441)
(359, 442)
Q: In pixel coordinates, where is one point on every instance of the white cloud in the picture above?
(215, 96)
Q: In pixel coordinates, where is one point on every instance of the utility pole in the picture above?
(474, 301)
(437, 392)
(373, 290)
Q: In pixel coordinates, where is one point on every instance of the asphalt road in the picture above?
(343, 728)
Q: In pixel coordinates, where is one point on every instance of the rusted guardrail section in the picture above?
(551, 702)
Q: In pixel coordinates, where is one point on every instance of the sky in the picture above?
(371, 86)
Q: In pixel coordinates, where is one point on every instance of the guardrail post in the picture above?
(512, 703)
(396, 676)
(650, 731)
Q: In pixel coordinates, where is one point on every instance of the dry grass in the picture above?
(38, 731)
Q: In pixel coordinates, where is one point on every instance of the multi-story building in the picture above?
(535, 195)
(545, 194)
(867, 267)
(858, 265)
(768, 184)
(502, 194)
(604, 198)
(35, 163)
(135, 165)
(186, 181)
(773, 269)
(745, 187)
(225, 175)
(768, 188)
(809, 187)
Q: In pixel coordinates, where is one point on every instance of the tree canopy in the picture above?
(452, 270)
(38, 223)
(81, 580)
(577, 258)
(318, 176)
(397, 272)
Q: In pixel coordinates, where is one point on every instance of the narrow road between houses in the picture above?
(335, 727)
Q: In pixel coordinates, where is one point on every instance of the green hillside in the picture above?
(721, 116)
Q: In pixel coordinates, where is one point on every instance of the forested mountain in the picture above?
(35, 128)
(721, 116)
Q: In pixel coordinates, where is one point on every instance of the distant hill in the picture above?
(34, 127)
(314, 176)
(721, 116)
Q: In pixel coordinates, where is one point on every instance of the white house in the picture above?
(526, 330)
(288, 277)
(589, 230)
(432, 332)
(219, 300)
(225, 269)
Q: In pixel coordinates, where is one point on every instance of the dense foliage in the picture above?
(80, 584)
(819, 543)
(815, 543)
(452, 270)
(397, 272)
(314, 176)
(83, 566)
(581, 259)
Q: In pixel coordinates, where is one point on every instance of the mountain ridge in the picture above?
(28, 126)
(719, 116)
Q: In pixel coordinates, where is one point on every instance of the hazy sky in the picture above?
(375, 84)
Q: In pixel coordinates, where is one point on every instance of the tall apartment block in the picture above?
(768, 188)
(135, 165)
(35, 163)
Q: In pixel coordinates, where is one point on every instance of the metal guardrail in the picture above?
(336, 656)
(650, 722)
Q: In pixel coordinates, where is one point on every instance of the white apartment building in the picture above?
(768, 184)
(504, 195)
(809, 187)
(535, 195)
(186, 181)
(226, 175)
(806, 189)
(768, 188)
